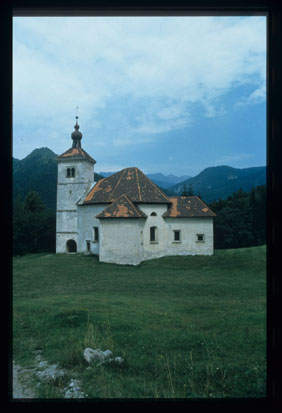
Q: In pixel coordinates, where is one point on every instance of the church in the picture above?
(124, 218)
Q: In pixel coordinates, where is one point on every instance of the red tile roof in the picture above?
(130, 181)
(76, 153)
(188, 206)
(122, 208)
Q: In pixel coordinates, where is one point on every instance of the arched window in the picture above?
(70, 172)
(71, 246)
(153, 214)
(153, 234)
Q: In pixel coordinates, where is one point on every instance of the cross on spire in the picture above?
(76, 126)
(76, 135)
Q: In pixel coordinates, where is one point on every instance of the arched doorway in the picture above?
(71, 246)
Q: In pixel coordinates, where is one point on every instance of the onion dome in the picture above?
(76, 136)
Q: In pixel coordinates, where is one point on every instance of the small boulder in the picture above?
(97, 355)
(107, 353)
(119, 360)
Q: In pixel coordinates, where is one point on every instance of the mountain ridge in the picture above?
(221, 181)
(38, 172)
(165, 181)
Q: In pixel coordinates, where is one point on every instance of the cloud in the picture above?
(257, 96)
(171, 62)
(234, 158)
(152, 127)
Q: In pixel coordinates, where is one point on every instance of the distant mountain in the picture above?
(106, 174)
(38, 172)
(163, 181)
(221, 181)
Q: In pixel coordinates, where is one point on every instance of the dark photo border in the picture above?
(271, 9)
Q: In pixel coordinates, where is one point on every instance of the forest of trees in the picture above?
(241, 219)
(240, 222)
(34, 226)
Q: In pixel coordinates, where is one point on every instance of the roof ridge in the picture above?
(131, 203)
(131, 181)
(179, 207)
(97, 184)
(155, 185)
(138, 184)
(206, 205)
(76, 153)
(115, 208)
(121, 175)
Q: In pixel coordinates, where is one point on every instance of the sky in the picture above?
(165, 94)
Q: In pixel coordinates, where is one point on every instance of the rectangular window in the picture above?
(177, 235)
(200, 238)
(96, 234)
(153, 234)
(88, 246)
(68, 173)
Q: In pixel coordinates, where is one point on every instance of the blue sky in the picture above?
(165, 94)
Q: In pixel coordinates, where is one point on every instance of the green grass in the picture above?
(185, 326)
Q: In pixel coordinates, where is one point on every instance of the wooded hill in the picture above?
(218, 182)
(240, 220)
(38, 172)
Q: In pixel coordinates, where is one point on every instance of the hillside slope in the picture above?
(221, 181)
(163, 181)
(38, 172)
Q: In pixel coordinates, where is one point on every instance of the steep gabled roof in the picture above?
(130, 181)
(76, 153)
(122, 208)
(187, 206)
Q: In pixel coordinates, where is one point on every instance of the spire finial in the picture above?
(76, 135)
(76, 124)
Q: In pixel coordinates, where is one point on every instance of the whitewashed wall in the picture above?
(85, 222)
(154, 249)
(189, 228)
(165, 244)
(62, 239)
(69, 190)
(127, 241)
(84, 171)
(120, 240)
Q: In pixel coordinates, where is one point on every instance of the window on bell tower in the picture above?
(70, 172)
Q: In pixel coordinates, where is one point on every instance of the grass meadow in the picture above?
(187, 327)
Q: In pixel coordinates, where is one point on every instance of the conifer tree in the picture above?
(34, 226)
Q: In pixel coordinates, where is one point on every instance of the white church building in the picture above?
(124, 218)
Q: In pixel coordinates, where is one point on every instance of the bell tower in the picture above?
(75, 176)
